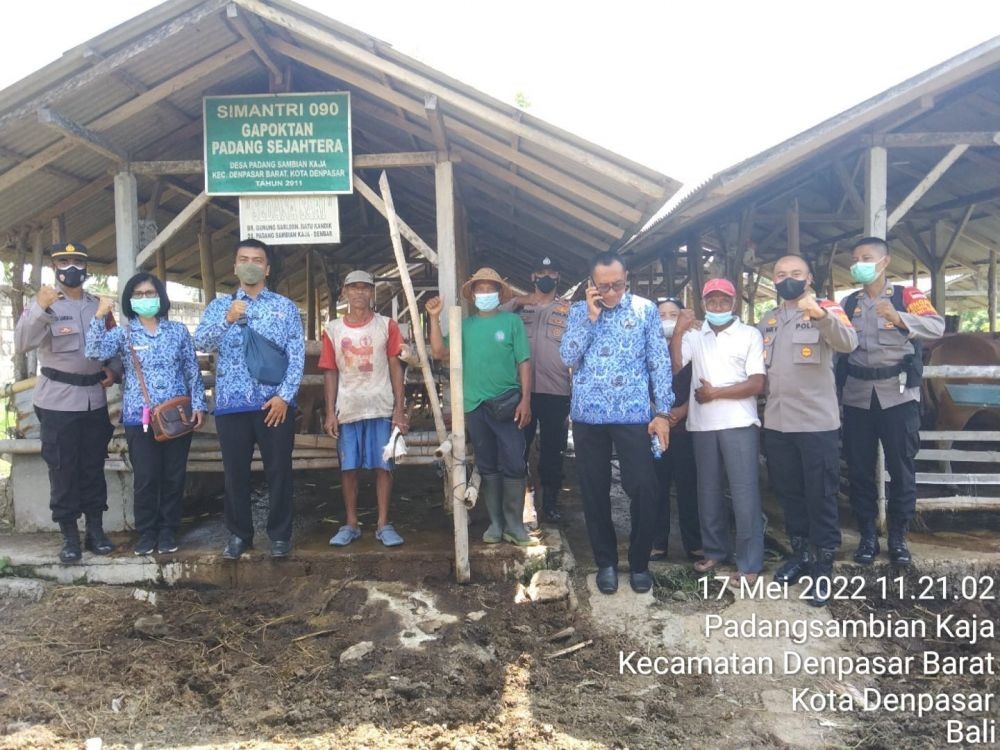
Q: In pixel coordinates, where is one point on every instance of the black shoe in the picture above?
(146, 544)
(798, 564)
(607, 580)
(70, 552)
(281, 549)
(868, 548)
(640, 582)
(167, 542)
(94, 538)
(822, 575)
(551, 514)
(550, 505)
(235, 548)
(899, 553)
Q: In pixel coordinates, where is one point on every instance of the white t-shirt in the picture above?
(725, 358)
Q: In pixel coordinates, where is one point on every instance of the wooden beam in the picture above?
(126, 226)
(695, 274)
(957, 233)
(792, 231)
(260, 49)
(436, 122)
(344, 48)
(933, 140)
(79, 134)
(412, 237)
(168, 232)
(925, 184)
(876, 182)
(916, 245)
(850, 191)
(444, 201)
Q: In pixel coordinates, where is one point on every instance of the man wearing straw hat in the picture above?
(497, 399)
(363, 383)
(69, 400)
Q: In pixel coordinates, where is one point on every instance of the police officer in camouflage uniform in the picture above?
(802, 420)
(70, 401)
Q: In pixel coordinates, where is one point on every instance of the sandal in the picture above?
(706, 564)
(657, 554)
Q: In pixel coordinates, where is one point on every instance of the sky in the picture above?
(687, 89)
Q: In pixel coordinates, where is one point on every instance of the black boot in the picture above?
(798, 564)
(94, 539)
(550, 505)
(868, 548)
(70, 552)
(899, 553)
(822, 572)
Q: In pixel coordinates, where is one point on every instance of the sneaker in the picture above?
(388, 536)
(167, 542)
(345, 535)
(146, 544)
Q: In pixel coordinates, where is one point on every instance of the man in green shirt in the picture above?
(497, 399)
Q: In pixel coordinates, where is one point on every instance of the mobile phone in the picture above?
(598, 301)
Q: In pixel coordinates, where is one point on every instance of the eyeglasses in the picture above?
(151, 294)
(617, 286)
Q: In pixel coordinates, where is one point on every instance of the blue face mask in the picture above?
(487, 302)
(718, 318)
(145, 307)
(864, 273)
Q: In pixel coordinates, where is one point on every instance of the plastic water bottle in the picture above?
(654, 446)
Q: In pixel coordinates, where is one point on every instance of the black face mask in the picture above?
(545, 284)
(71, 276)
(790, 288)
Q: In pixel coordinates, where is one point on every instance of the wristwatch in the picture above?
(664, 414)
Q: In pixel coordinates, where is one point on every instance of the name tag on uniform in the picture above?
(140, 348)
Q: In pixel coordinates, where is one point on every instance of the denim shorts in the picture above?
(361, 443)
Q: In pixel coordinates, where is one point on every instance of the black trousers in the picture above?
(593, 443)
(804, 468)
(898, 428)
(549, 417)
(238, 433)
(158, 474)
(499, 446)
(677, 467)
(74, 446)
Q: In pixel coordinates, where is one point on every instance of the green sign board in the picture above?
(278, 144)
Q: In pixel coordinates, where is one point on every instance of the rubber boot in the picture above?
(822, 573)
(798, 564)
(94, 538)
(550, 505)
(513, 508)
(899, 553)
(70, 552)
(868, 548)
(491, 493)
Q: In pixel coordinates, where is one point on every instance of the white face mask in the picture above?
(668, 327)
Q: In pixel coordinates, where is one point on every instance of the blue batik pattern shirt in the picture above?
(272, 316)
(167, 358)
(617, 363)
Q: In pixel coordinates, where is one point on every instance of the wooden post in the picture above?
(37, 259)
(667, 263)
(792, 227)
(58, 229)
(161, 265)
(876, 181)
(938, 281)
(310, 298)
(126, 225)
(991, 279)
(458, 479)
(207, 264)
(17, 299)
(444, 195)
(916, 272)
(695, 274)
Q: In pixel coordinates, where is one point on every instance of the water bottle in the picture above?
(654, 446)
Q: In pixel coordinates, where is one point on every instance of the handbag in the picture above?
(266, 361)
(502, 407)
(172, 418)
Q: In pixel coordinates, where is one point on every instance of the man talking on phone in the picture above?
(614, 345)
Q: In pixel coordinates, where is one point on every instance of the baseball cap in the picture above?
(547, 264)
(69, 250)
(718, 285)
(359, 277)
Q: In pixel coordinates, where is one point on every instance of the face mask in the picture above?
(668, 327)
(718, 319)
(250, 273)
(545, 284)
(71, 276)
(790, 288)
(487, 302)
(864, 273)
(145, 307)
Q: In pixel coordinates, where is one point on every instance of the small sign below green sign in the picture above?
(278, 144)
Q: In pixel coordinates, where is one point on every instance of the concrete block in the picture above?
(22, 588)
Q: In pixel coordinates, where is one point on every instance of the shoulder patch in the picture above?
(834, 309)
(916, 302)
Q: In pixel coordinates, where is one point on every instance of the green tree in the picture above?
(521, 100)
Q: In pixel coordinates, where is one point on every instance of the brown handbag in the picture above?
(171, 419)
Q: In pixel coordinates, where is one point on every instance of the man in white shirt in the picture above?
(727, 359)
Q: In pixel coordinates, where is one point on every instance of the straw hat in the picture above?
(486, 274)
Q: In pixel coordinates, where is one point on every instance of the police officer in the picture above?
(544, 316)
(881, 395)
(70, 401)
(802, 420)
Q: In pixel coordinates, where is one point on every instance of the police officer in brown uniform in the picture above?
(70, 401)
(881, 395)
(802, 421)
